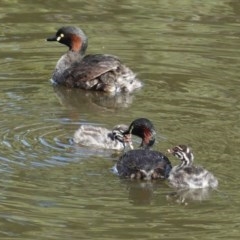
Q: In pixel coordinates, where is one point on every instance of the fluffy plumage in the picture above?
(100, 72)
(94, 136)
(186, 175)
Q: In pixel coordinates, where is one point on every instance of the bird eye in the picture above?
(60, 36)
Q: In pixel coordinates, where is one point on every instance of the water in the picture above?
(187, 55)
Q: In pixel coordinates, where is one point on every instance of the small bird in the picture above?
(100, 72)
(95, 136)
(186, 175)
(143, 128)
(143, 163)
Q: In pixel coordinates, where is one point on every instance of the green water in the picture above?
(187, 55)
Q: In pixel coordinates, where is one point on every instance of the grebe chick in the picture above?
(143, 163)
(94, 136)
(99, 72)
(186, 175)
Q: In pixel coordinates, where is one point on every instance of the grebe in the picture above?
(99, 72)
(143, 128)
(143, 163)
(94, 136)
(186, 175)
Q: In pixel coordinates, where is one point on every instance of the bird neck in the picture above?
(186, 161)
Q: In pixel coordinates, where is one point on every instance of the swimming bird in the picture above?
(100, 137)
(186, 175)
(100, 72)
(144, 129)
(143, 163)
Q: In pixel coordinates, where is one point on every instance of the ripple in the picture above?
(35, 144)
(44, 144)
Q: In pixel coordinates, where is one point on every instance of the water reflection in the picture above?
(185, 196)
(141, 193)
(186, 52)
(81, 99)
(144, 193)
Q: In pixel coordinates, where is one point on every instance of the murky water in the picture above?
(187, 55)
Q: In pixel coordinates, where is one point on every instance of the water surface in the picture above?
(187, 55)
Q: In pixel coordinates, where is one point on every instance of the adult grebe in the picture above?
(99, 72)
(143, 163)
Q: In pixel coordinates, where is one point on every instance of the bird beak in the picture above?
(52, 38)
(127, 137)
(130, 145)
(170, 151)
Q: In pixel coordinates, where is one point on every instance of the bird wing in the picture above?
(89, 68)
(142, 159)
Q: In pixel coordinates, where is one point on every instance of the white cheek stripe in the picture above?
(59, 38)
(187, 160)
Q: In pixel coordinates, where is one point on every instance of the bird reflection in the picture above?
(91, 100)
(140, 192)
(185, 196)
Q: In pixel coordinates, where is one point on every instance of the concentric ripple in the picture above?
(43, 144)
(36, 144)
